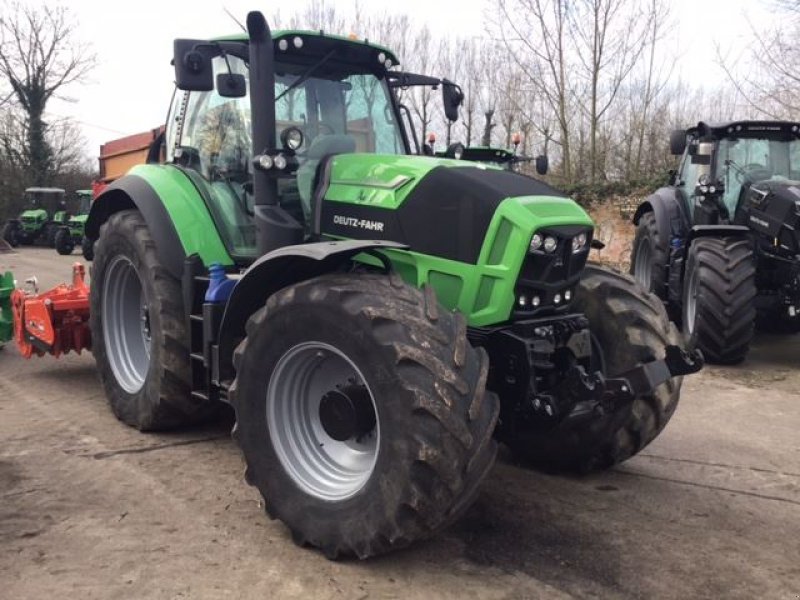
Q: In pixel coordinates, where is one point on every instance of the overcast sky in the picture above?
(131, 87)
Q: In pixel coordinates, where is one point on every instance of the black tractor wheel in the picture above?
(361, 412)
(87, 248)
(49, 234)
(64, 242)
(649, 256)
(139, 335)
(719, 290)
(11, 234)
(629, 327)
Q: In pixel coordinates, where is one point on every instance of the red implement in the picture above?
(54, 322)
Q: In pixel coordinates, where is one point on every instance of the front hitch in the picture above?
(583, 395)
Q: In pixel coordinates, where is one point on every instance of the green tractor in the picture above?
(46, 211)
(72, 232)
(720, 244)
(377, 319)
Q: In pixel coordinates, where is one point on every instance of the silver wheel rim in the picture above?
(642, 269)
(690, 303)
(319, 464)
(126, 324)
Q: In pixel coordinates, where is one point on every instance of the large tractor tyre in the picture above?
(649, 257)
(719, 298)
(139, 335)
(87, 248)
(361, 412)
(64, 242)
(11, 234)
(629, 327)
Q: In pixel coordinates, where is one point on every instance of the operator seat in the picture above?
(322, 146)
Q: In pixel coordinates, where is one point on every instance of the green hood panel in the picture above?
(78, 220)
(380, 180)
(38, 214)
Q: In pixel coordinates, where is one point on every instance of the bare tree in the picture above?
(39, 56)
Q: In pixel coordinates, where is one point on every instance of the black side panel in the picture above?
(132, 191)
(447, 214)
(272, 272)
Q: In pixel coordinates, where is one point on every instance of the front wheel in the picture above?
(64, 243)
(629, 326)
(719, 293)
(139, 334)
(361, 412)
(11, 234)
(87, 248)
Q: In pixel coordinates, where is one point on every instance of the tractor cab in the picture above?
(330, 96)
(722, 163)
(43, 204)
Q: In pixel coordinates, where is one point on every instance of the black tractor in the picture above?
(720, 245)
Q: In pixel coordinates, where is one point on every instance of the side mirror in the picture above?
(455, 150)
(542, 164)
(231, 85)
(192, 62)
(453, 98)
(677, 141)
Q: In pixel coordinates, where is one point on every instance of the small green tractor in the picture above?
(72, 232)
(377, 319)
(45, 211)
(720, 245)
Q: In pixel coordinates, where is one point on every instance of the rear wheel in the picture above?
(64, 243)
(361, 413)
(139, 336)
(649, 256)
(718, 298)
(629, 327)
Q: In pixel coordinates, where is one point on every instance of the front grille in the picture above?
(551, 276)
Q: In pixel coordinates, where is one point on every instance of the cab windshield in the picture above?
(338, 111)
(748, 160)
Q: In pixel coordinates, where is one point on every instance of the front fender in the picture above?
(665, 205)
(277, 270)
(173, 209)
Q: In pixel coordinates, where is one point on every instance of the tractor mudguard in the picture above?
(173, 209)
(699, 231)
(274, 271)
(666, 206)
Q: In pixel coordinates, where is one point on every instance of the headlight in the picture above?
(536, 242)
(550, 244)
(578, 242)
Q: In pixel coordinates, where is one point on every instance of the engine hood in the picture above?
(437, 206)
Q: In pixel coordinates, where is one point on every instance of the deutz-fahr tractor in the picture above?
(72, 232)
(45, 211)
(376, 319)
(720, 244)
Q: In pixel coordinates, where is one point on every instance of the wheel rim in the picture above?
(327, 462)
(126, 324)
(642, 268)
(690, 303)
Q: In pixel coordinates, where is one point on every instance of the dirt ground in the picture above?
(92, 509)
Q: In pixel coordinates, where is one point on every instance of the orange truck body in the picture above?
(118, 156)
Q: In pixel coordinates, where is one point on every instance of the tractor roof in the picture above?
(487, 153)
(319, 36)
(83, 192)
(43, 190)
(746, 129)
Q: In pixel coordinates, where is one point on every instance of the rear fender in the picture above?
(666, 206)
(274, 271)
(173, 209)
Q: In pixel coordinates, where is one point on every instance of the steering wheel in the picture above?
(753, 172)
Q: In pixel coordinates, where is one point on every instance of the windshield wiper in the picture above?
(308, 72)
